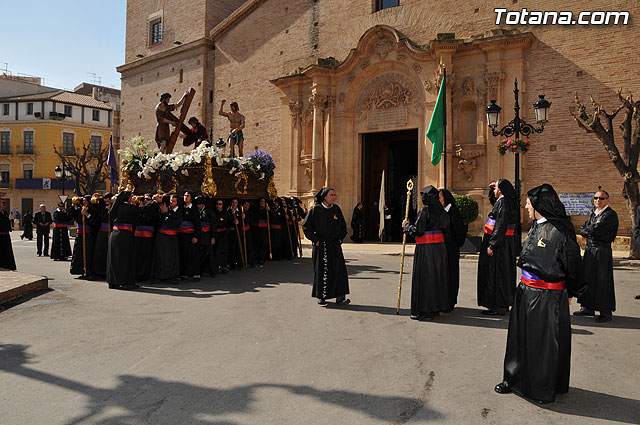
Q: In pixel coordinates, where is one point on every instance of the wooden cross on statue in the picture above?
(180, 124)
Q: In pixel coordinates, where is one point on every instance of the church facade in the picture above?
(338, 91)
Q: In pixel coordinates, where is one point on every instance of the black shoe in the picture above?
(176, 280)
(427, 317)
(21, 237)
(449, 310)
(130, 287)
(196, 279)
(46, 255)
(414, 317)
(322, 302)
(343, 301)
(502, 388)
(490, 313)
(114, 286)
(602, 319)
(39, 255)
(637, 297)
(584, 312)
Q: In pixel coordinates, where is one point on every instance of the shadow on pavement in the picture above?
(591, 404)
(618, 322)
(148, 400)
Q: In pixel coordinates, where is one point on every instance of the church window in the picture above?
(385, 4)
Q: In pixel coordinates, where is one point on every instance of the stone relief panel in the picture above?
(388, 91)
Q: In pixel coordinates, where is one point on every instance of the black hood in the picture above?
(545, 201)
(507, 189)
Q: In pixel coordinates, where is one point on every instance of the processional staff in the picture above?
(404, 242)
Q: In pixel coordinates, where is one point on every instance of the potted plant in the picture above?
(468, 208)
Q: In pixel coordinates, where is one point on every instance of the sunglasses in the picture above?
(602, 198)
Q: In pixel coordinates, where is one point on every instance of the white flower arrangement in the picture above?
(145, 160)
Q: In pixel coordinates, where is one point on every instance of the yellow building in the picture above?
(30, 126)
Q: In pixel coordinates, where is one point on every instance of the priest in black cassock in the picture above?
(600, 230)
(497, 260)
(261, 232)
(357, 223)
(453, 240)
(429, 281)
(325, 227)
(121, 259)
(538, 355)
(7, 260)
(207, 241)
(189, 234)
(60, 245)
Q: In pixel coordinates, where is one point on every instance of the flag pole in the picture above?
(444, 145)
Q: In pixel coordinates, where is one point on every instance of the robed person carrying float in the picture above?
(101, 249)
(143, 237)
(166, 254)
(121, 259)
(429, 289)
(538, 354)
(325, 227)
(207, 241)
(87, 219)
(497, 260)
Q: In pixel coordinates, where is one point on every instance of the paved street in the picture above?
(253, 347)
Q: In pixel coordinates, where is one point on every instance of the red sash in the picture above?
(491, 223)
(123, 226)
(534, 281)
(169, 232)
(434, 236)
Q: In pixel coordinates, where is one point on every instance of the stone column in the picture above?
(317, 152)
(295, 109)
(328, 141)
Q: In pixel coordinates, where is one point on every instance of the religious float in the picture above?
(205, 170)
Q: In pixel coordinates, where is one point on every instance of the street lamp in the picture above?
(517, 127)
(62, 174)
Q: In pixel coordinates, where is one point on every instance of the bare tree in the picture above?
(600, 124)
(87, 167)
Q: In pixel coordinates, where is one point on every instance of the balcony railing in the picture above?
(69, 151)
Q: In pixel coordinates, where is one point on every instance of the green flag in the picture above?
(436, 130)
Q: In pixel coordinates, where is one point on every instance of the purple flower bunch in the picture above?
(261, 162)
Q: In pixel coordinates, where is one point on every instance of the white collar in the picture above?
(326, 207)
(542, 220)
(175, 209)
(501, 196)
(598, 212)
(188, 206)
(447, 208)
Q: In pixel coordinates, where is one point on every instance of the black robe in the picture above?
(276, 217)
(7, 260)
(236, 246)
(121, 258)
(27, 223)
(101, 246)
(208, 225)
(454, 239)
(221, 248)
(429, 280)
(166, 254)
(357, 224)
(189, 252)
(143, 240)
(286, 241)
(261, 235)
(497, 274)
(327, 228)
(538, 354)
(88, 234)
(60, 245)
(599, 230)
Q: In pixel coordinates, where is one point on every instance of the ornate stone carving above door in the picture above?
(387, 91)
(468, 154)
